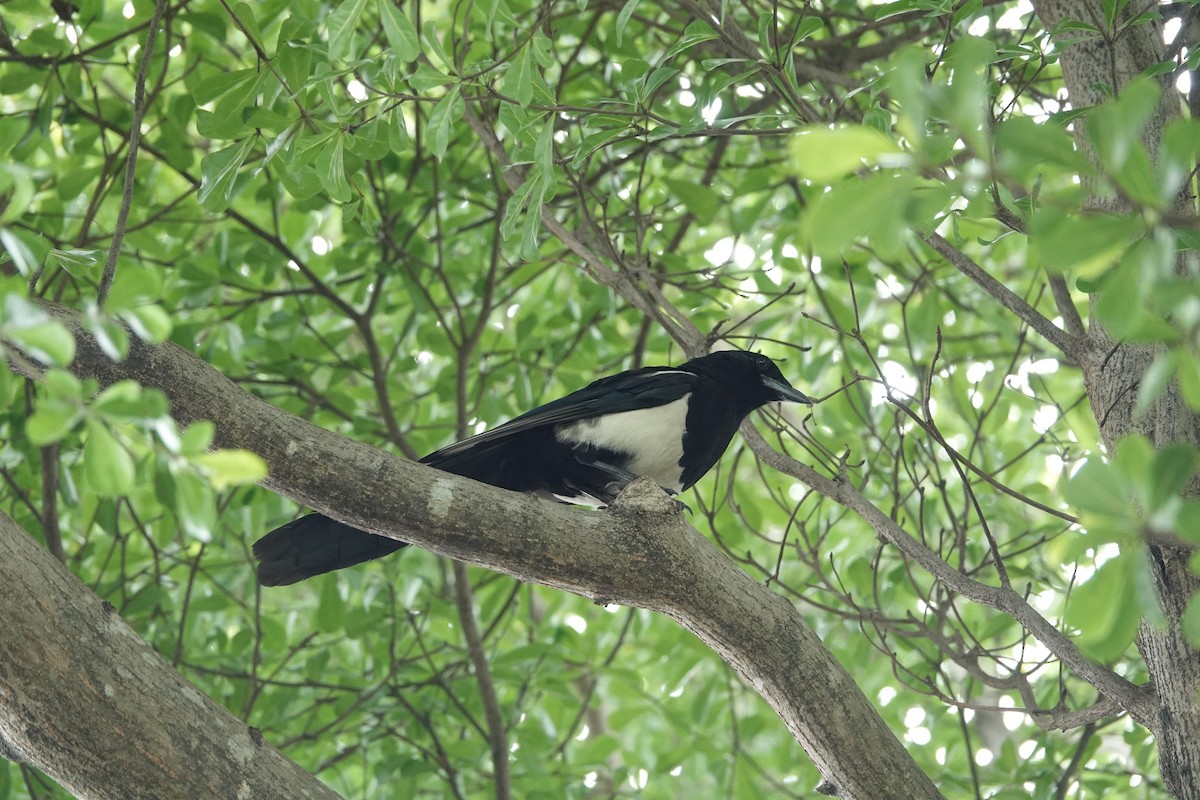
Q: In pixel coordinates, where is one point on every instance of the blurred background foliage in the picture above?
(410, 222)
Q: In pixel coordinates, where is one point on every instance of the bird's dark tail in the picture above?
(315, 544)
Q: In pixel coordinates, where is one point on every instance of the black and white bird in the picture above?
(668, 423)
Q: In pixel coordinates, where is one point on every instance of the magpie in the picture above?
(669, 423)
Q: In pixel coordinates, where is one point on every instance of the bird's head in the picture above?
(754, 379)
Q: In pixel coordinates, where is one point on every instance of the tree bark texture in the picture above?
(1092, 68)
(640, 553)
(86, 701)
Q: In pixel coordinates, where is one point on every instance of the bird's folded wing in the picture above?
(628, 391)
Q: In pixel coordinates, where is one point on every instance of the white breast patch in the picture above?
(653, 436)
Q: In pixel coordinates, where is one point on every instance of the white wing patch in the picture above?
(652, 436)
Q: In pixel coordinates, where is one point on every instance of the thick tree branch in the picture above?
(639, 554)
(89, 703)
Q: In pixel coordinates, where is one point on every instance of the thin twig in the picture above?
(135, 138)
(1127, 694)
(497, 736)
(50, 526)
(1066, 306)
(1065, 342)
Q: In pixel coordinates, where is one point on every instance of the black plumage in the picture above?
(670, 423)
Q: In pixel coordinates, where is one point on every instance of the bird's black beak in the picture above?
(784, 391)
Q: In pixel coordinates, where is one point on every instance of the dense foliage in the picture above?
(410, 222)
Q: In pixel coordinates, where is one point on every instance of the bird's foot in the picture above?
(674, 495)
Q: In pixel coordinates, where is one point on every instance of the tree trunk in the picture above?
(1113, 369)
(86, 701)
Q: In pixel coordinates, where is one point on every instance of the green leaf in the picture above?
(518, 79)
(397, 127)
(516, 203)
(1123, 303)
(228, 118)
(543, 152)
(1101, 609)
(123, 399)
(331, 169)
(699, 31)
(107, 465)
(1137, 180)
(331, 610)
(150, 323)
(134, 285)
(62, 385)
(427, 77)
(1098, 488)
(244, 12)
(853, 209)
(341, 24)
(75, 260)
(9, 383)
(12, 128)
(1027, 149)
(401, 33)
(1189, 378)
(966, 101)
(195, 506)
(441, 120)
(294, 62)
(218, 172)
(16, 187)
(1191, 621)
(821, 154)
(1133, 460)
(1153, 382)
(623, 18)
(1115, 128)
(1180, 146)
(1087, 244)
(47, 342)
(197, 437)
(655, 79)
(149, 599)
(50, 422)
(435, 45)
(232, 467)
(18, 251)
(701, 201)
(112, 339)
(533, 223)
(221, 84)
(1170, 471)
(808, 26)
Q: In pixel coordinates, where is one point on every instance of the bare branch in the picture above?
(589, 246)
(135, 138)
(1066, 306)
(1129, 697)
(496, 734)
(1070, 346)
